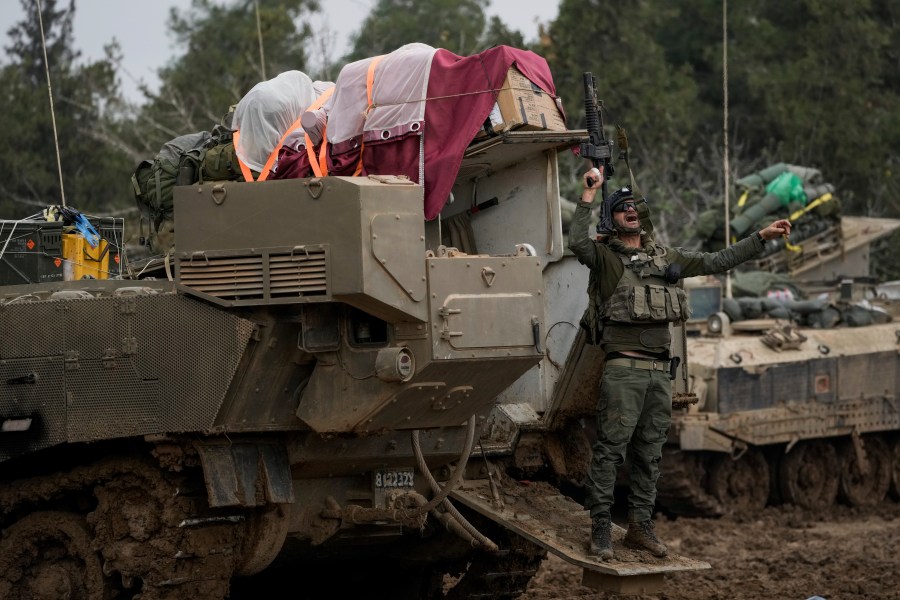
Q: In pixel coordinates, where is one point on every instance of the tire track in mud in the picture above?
(781, 552)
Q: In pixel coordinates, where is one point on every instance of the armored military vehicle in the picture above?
(330, 390)
(797, 398)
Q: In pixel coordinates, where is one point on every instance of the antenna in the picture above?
(262, 57)
(62, 192)
(725, 165)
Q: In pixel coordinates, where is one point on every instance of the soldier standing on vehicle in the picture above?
(633, 299)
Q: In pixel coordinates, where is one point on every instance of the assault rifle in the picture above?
(597, 149)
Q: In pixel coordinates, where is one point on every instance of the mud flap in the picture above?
(234, 472)
(539, 513)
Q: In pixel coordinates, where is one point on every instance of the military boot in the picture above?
(641, 536)
(601, 538)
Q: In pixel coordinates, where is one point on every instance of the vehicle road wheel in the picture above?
(866, 489)
(809, 475)
(47, 555)
(741, 485)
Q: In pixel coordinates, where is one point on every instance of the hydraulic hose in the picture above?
(413, 516)
(441, 493)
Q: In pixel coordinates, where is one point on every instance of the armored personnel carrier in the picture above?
(797, 398)
(330, 390)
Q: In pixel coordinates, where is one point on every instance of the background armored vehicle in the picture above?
(797, 380)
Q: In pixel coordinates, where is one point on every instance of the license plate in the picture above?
(393, 479)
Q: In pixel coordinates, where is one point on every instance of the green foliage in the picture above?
(498, 34)
(811, 82)
(831, 105)
(83, 97)
(220, 61)
(456, 25)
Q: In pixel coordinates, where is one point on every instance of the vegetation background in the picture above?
(811, 82)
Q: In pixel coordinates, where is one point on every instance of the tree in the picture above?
(832, 105)
(655, 101)
(84, 95)
(221, 62)
(499, 34)
(459, 26)
(812, 82)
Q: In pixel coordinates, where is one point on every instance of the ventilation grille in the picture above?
(272, 276)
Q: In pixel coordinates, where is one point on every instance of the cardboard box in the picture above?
(523, 105)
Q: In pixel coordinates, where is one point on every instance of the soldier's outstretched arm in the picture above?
(781, 227)
(709, 263)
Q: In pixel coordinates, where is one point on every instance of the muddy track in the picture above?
(681, 487)
(840, 552)
(501, 576)
(118, 527)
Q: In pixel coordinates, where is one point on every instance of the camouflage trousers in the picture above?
(633, 415)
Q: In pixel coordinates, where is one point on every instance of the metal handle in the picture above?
(218, 194)
(536, 334)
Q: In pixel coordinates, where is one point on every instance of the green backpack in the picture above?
(220, 162)
(187, 159)
(215, 160)
(153, 182)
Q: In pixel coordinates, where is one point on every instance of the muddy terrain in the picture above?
(781, 553)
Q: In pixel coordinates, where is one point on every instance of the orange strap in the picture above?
(264, 174)
(319, 163)
(267, 168)
(370, 82)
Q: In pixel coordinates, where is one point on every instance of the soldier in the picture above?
(632, 300)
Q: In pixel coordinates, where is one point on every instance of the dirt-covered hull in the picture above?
(787, 414)
(110, 360)
(323, 369)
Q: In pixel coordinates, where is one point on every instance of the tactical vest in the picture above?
(638, 313)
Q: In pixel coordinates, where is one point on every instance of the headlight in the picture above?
(716, 323)
(395, 364)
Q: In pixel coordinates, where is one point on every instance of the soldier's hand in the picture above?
(776, 229)
(593, 179)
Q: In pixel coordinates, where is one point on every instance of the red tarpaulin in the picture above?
(397, 137)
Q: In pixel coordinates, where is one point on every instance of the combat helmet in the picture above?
(606, 225)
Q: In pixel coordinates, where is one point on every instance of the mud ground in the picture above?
(783, 552)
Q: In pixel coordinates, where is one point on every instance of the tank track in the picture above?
(124, 522)
(681, 488)
(815, 474)
(501, 576)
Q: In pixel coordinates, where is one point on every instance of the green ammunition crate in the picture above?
(30, 252)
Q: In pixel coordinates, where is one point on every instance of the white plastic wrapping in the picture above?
(267, 111)
(296, 138)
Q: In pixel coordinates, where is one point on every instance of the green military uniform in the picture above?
(631, 308)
